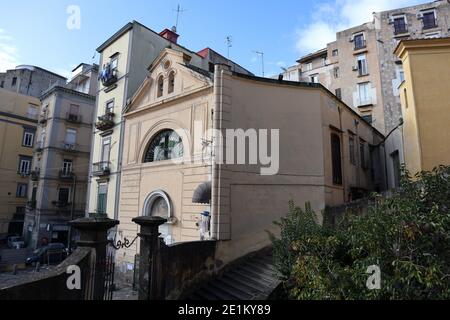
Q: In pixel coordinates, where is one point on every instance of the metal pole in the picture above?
(72, 212)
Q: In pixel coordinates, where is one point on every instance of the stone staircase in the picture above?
(251, 278)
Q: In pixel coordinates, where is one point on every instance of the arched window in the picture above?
(160, 86)
(166, 145)
(171, 82)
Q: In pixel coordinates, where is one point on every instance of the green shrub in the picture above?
(406, 235)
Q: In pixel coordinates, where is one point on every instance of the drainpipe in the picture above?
(344, 179)
(217, 143)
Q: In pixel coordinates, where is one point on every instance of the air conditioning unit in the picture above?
(391, 19)
(355, 68)
(419, 15)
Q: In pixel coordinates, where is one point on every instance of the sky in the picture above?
(44, 33)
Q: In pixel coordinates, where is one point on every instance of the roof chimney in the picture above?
(170, 35)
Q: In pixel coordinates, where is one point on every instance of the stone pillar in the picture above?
(151, 286)
(93, 234)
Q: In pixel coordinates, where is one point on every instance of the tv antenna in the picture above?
(229, 41)
(261, 54)
(179, 12)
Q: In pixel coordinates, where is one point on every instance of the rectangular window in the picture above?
(25, 165)
(22, 190)
(71, 136)
(109, 107)
(336, 72)
(364, 94)
(32, 112)
(102, 198)
(63, 195)
(314, 78)
(28, 138)
(400, 25)
(368, 118)
(359, 41)
(67, 166)
(74, 109)
(106, 149)
(335, 53)
(14, 82)
(429, 20)
(338, 93)
(336, 159)
(362, 65)
(351, 144)
(114, 63)
(308, 66)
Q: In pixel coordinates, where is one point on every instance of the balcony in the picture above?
(31, 204)
(34, 175)
(101, 169)
(70, 147)
(108, 76)
(105, 122)
(73, 118)
(43, 118)
(61, 204)
(360, 44)
(66, 175)
(39, 146)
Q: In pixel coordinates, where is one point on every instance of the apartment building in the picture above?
(361, 69)
(18, 122)
(124, 60)
(174, 130)
(425, 95)
(60, 168)
(29, 80)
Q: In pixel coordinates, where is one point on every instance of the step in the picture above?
(233, 291)
(238, 285)
(222, 291)
(260, 270)
(207, 294)
(255, 275)
(246, 281)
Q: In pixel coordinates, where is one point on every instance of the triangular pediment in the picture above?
(170, 76)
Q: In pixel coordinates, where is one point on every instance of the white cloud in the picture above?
(329, 18)
(9, 54)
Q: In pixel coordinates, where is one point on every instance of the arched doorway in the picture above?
(158, 204)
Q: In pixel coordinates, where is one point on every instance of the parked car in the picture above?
(16, 242)
(5, 236)
(53, 253)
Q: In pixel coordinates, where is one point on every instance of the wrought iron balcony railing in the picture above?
(66, 174)
(105, 122)
(73, 118)
(101, 169)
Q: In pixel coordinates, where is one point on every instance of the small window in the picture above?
(351, 144)
(71, 136)
(106, 149)
(360, 42)
(25, 165)
(308, 66)
(362, 65)
(102, 196)
(109, 107)
(22, 190)
(211, 67)
(160, 87)
(336, 159)
(67, 166)
(338, 93)
(336, 72)
(14, 82)
(364, 94)
(28, 138)
(171, 82)
(429, 20)
(314, 78)
(63, 195)
(368, 118)
(74, 109)
(114, 63)
(32, 112)
(335, 53)
(400, 25)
